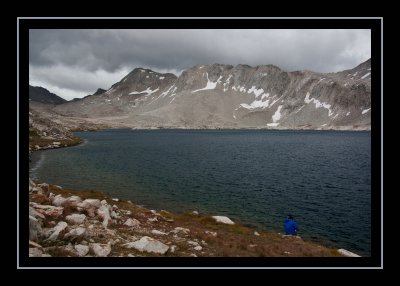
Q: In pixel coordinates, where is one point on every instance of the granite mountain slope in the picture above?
(225, 96)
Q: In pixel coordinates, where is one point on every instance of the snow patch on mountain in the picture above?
(148, 91)
(256, 91)
(365, 111)
(227, 83)
(277, 115)
(210, 84)
(364, 76)
(262, 103)
(318, 104)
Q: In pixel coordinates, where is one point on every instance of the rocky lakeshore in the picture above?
(67, 223)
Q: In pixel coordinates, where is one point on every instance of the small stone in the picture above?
(256, 233)
(34, 244)
(180, 229)
(195, 213)
(132, 222)
(157, 232)
(193, 243)
(212, 233)
(198, 248)
(114, 214)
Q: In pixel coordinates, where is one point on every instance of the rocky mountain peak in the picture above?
(141, 81)
(99, 91)
(42, 95)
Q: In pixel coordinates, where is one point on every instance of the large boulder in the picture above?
(81, 250)
(104, 214)
(223, 219)
(58, 201)
(49, 211)
(76, 218)
(100, 250)
(74, 199)
(148, 244)
(39, 198)
(347, 253)
(75, 233)
(44, 187)
(55, 231)
(35, 228)
(35, 214)
(88, 203)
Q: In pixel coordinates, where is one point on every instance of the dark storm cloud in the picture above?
(104, 55)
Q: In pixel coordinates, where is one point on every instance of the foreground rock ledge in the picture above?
(82, 224)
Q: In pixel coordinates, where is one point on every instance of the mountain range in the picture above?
(226, 96)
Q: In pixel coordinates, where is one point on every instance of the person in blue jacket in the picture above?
(290, 226)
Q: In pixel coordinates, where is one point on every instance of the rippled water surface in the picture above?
(255, 177)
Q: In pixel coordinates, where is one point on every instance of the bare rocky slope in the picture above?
(225, 96)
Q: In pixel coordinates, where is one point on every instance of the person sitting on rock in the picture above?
(290, 226)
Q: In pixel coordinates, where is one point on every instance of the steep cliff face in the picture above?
(224, 96)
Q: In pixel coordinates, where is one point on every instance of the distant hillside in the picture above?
(42, 95)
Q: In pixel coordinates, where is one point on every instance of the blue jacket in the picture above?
(291, 227)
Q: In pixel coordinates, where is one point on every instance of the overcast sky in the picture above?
(74, 63)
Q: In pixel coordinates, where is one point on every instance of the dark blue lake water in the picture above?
(322, 178)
